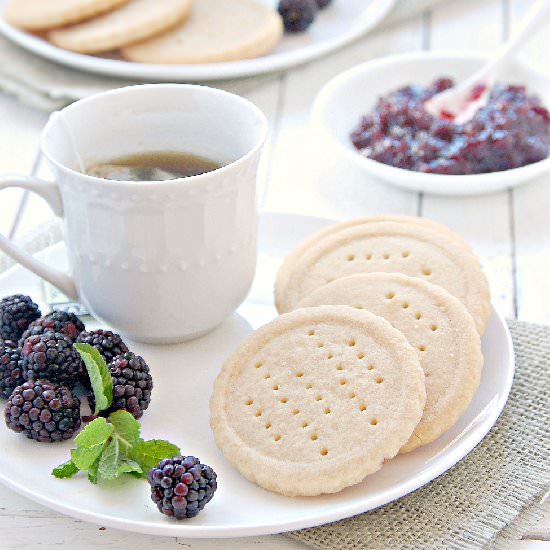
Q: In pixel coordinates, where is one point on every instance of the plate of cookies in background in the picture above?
(186, 39)
(366, 361)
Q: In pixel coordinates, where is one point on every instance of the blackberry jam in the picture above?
(511, 130)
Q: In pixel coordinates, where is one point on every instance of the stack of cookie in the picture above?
(377, 351)
(153, 31)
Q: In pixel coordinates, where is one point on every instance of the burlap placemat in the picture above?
(488, 500)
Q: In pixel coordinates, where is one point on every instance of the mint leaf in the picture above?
(95, 433)
(90, 443)
(84, 458)
(92, 472)
(113, 462)
(149, 453)
(128, 466)
(127, 429)
(63, 471)
(110, 460)
(100, 376)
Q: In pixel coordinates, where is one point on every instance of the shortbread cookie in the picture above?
(286, 268)
(216, 31)
(296, 410)
(436, 325)
(41, 15)
(137, 20)
(417, 250)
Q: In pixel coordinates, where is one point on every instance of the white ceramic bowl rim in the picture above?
(190, 180)
(392, 172)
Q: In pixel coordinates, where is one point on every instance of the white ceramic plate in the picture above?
(341, 104)
(335, 26)
(183, 376)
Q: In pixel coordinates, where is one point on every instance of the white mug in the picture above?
(160, 262)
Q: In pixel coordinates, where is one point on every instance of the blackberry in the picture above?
(132, 385)
(11, 375)
(109, 344)
(58, 321)
(43, 411)
(322, 4)
(181, 486)
(51, 356)
(297, 15)
(16, 313)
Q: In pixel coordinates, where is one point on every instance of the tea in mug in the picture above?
(153, 166)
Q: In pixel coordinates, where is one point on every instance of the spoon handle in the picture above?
(537, 16)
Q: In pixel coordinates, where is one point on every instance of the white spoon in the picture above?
(461, 102)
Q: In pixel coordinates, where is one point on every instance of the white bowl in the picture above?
(344, 100)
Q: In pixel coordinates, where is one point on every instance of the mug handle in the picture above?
(49, 191)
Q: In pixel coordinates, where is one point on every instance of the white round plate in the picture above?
(183, 376)
(334, 27)
(342, 103)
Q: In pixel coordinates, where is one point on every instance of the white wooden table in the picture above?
(509, 230)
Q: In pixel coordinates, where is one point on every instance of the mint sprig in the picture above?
(100, 377)
(110, 448)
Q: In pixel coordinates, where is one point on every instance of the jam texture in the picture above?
(511, 130)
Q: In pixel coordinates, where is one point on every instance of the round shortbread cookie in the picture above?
(286, 268)
(132, 22)
(296, 410)
(414, 249)
(216, 31)
(41, 15)
(436, 325)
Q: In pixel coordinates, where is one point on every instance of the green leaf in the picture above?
(66, 470)
(128, 466)
(127, 429)
(110, 460)
(149, 453)
(95, 433)
(92, 472)
(90, 443)
(100, 376)
(84, 458)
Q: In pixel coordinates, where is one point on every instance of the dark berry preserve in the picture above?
(511, 130)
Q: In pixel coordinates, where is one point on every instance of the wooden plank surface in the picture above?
(19, 136)
(531, 206)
